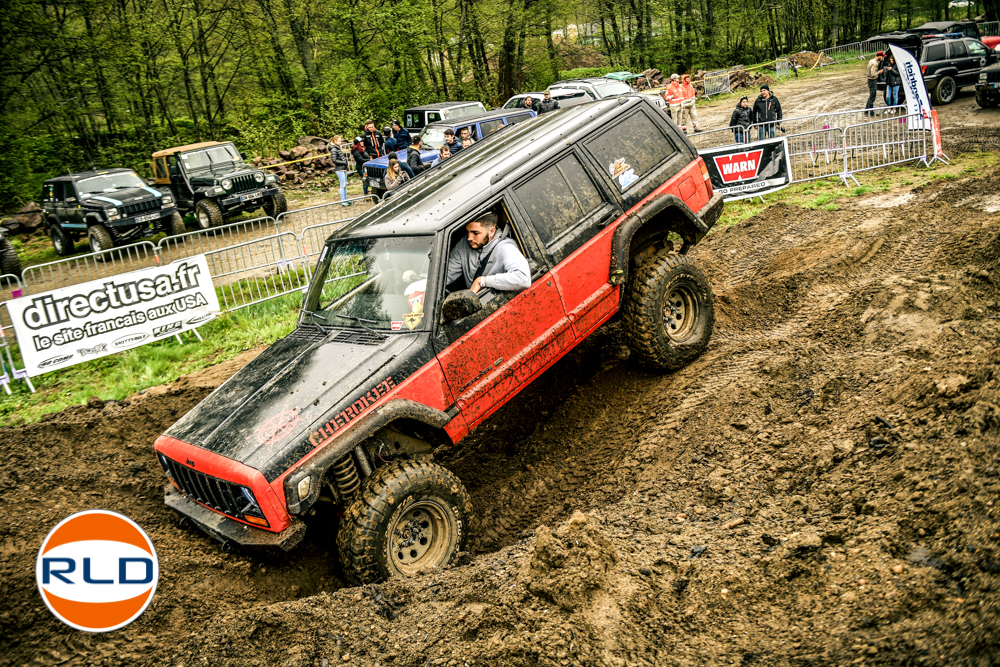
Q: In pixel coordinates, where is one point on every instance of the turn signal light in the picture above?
(923, 69)
(255, 519)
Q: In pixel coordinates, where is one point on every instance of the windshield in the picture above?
(226, 154)
(95, 185)
(433, 136)
(613, 88)
(374, 283)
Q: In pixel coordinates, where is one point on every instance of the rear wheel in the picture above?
(985, 99)
(10, 263)
(100, 238)
(61, 240)
(411, 515)
(945, 91)
(208, 214)
(669, 312)
(275, 205)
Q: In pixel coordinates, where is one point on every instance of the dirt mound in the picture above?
(818, 488)
(809, 59)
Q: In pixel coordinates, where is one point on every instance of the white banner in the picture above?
(71, 325)
(917, 102)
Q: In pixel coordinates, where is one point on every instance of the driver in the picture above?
(488, 260)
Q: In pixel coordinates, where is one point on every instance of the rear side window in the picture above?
(958, 49)
(518, 118)
(934, 52)
(558, 196)
(488, 126)
(631, 148)
(414, 119)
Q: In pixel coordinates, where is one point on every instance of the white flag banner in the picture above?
(70, 325)
(917, 101)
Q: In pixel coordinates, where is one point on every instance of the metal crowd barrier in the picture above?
(92, 266)
(300, 218)
(8, 283)
(885, 142)
(195, 243)
(852, 51)
(782, 68)
(716, 83)
(313, 237)
(989, 29)
(816, 154)
(8, 369)
(258, 270)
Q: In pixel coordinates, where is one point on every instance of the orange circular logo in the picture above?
(97, 571)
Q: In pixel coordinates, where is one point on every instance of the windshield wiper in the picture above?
(311, 321)
(361, 321)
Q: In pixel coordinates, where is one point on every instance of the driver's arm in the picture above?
(514, 273)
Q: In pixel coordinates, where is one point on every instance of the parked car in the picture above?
(602, 87)
(479, 126)
(937, 29)
(947, 64)
(389, 362)
(988, 86)
(416, 118)
(567, 97)
(211, 181)
(110, 207)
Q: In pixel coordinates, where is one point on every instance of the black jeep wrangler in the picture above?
(110, 207)
(988, 86)
(594, 206)
(212, 181)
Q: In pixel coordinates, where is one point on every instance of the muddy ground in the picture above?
(820, 488)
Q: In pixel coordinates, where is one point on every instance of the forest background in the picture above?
(103, 83)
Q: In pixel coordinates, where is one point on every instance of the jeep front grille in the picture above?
(376, 172)
(135, 209)
(245, 183)
(220, 495)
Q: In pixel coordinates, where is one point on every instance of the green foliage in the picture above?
(584, 72)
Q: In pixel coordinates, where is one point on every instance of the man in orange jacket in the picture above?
(672, 97)
(687, 104)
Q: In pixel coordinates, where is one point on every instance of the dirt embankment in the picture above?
(819, 488)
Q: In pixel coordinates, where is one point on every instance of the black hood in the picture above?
(213, 175)
(123, 197)
(263, 415)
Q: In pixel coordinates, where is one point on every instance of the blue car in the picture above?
(480, 126)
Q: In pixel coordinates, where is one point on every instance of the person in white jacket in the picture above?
(487, 258)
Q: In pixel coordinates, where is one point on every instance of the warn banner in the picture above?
(71, 325)
(748, 170)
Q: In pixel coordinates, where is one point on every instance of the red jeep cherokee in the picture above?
(387, 362)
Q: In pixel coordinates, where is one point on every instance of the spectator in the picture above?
(467, 140)
(394, 175)
(401, 135)
(741, 120)
(673, 98)
(874, 71)
(374, 141)
(339, 165)
(687, 104)
(529, 104)
(893, 83)
(766, 113)
(390, 145)
(360, 157)
(449, 138)
(413, 159)
(444, 154)
(403, 164)
(547, 104)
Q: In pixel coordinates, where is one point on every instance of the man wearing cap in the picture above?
(401, 135)
(766, 113)
(547, 104)
(673, 97)
(874, 70)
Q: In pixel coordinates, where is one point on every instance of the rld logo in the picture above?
(739, 166)
(97, 571)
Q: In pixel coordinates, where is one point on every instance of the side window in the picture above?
(934, 53)
(433, 116)
(470, 128)
(490, 126)
(48, 192)
(976, 49)
(60, 191)
(160, 168)
(518, 118)
(505, 229)
(631, 149)
(958, 49)
(590, 91)
(557, 197)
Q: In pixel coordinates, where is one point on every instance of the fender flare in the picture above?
(692, 227)
(318, 464)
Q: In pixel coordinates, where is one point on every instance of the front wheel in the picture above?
(985, 99)
(275, 205)
(945, 91)
(669, 311)
(100, 238)
(208, 214)
(411, 515)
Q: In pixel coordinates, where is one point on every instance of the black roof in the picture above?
(89, 174)
(587, 79)
(458, 185)
(440, 105)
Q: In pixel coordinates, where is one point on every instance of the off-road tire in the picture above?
(208, 214)
(945, 91)
(10, 263)
(275, 204)
(100, 238)
(422, 491)
(664, 335)
(62, 242)
(985, 100)
(175, 225)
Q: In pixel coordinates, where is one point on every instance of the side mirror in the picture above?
(460, 304)
(243, 156)
(150, 181)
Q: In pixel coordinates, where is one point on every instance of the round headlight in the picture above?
(258, 176)
(227, 184)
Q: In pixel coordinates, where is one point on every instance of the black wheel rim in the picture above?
(419, 536)
(680, 313)
(947, 91)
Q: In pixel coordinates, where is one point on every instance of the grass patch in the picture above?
(120, 375)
